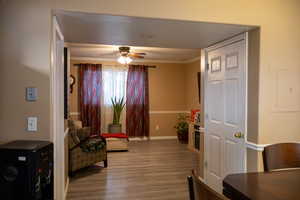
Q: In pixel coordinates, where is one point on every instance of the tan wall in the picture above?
(24, 62)
(167, 86)
(254, 161)
(192, 97)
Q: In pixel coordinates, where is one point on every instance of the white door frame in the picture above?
(204, 63)
(57, 117)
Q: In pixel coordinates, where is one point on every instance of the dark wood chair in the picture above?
(281, 156)
(198, 190)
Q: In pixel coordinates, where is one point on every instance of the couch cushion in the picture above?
(93, 145)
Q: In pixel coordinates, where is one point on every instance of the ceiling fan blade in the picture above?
(139, 54)
(135, 56)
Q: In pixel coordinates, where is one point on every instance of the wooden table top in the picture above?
(280, 185)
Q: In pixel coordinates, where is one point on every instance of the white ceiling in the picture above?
(142, 34)
(111, 52)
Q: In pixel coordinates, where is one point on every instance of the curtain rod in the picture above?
(151, 66)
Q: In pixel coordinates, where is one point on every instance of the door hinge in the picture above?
(206, 116)
(205, 164)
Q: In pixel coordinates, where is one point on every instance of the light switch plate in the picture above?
(32, 124)
(31, 94)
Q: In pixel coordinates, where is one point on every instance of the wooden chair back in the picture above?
(281, 156)
(198, 190)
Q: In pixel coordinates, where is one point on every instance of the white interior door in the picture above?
(225, 108)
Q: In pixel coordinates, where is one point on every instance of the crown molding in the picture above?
(137, 61)
(193, 59)
(85, 45)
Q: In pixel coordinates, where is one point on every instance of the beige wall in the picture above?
(24, 62)
(25, 54)
(167, 92)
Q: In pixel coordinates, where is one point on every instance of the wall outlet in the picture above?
(157, 127)
(32, 124)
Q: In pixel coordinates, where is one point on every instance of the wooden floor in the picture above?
(153, 170)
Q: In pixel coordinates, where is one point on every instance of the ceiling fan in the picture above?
(126, 56)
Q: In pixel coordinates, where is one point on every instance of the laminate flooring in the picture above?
(153, 170)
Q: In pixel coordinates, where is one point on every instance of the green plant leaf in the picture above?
(118, 106)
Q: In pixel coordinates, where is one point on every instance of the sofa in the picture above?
(84, 149)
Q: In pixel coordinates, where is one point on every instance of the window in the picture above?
(114, 83)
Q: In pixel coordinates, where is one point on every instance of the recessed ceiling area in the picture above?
(111, 52)
(99, 35)
(91, 28)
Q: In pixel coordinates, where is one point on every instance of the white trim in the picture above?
(150, 112)
(246, 38)
(153, 138)
(227, 42)
(192, 59)
(57, 28)
(66, 132)
(257, 147)
(168, 111)
(57, 123)
(67, 188)
(163, 137)
(138, 138)
(137, 60)
(74, 113)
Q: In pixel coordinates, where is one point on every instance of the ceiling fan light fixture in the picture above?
(124, 60)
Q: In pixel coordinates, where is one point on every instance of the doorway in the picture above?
(106, 29)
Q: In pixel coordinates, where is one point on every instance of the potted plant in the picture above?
(118, 106)
(182, 128)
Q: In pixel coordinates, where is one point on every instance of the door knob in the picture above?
(239, 135)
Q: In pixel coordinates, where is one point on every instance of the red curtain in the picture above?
(137, 101)
(90, 83)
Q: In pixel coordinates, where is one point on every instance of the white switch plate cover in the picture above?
(31, 94)
(32, 123)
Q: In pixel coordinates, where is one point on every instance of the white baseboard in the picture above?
(138, 138)
(153, 138)
(66, 188)
(163, 137)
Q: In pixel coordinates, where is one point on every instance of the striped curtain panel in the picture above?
(137, 101)
(90, 88)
